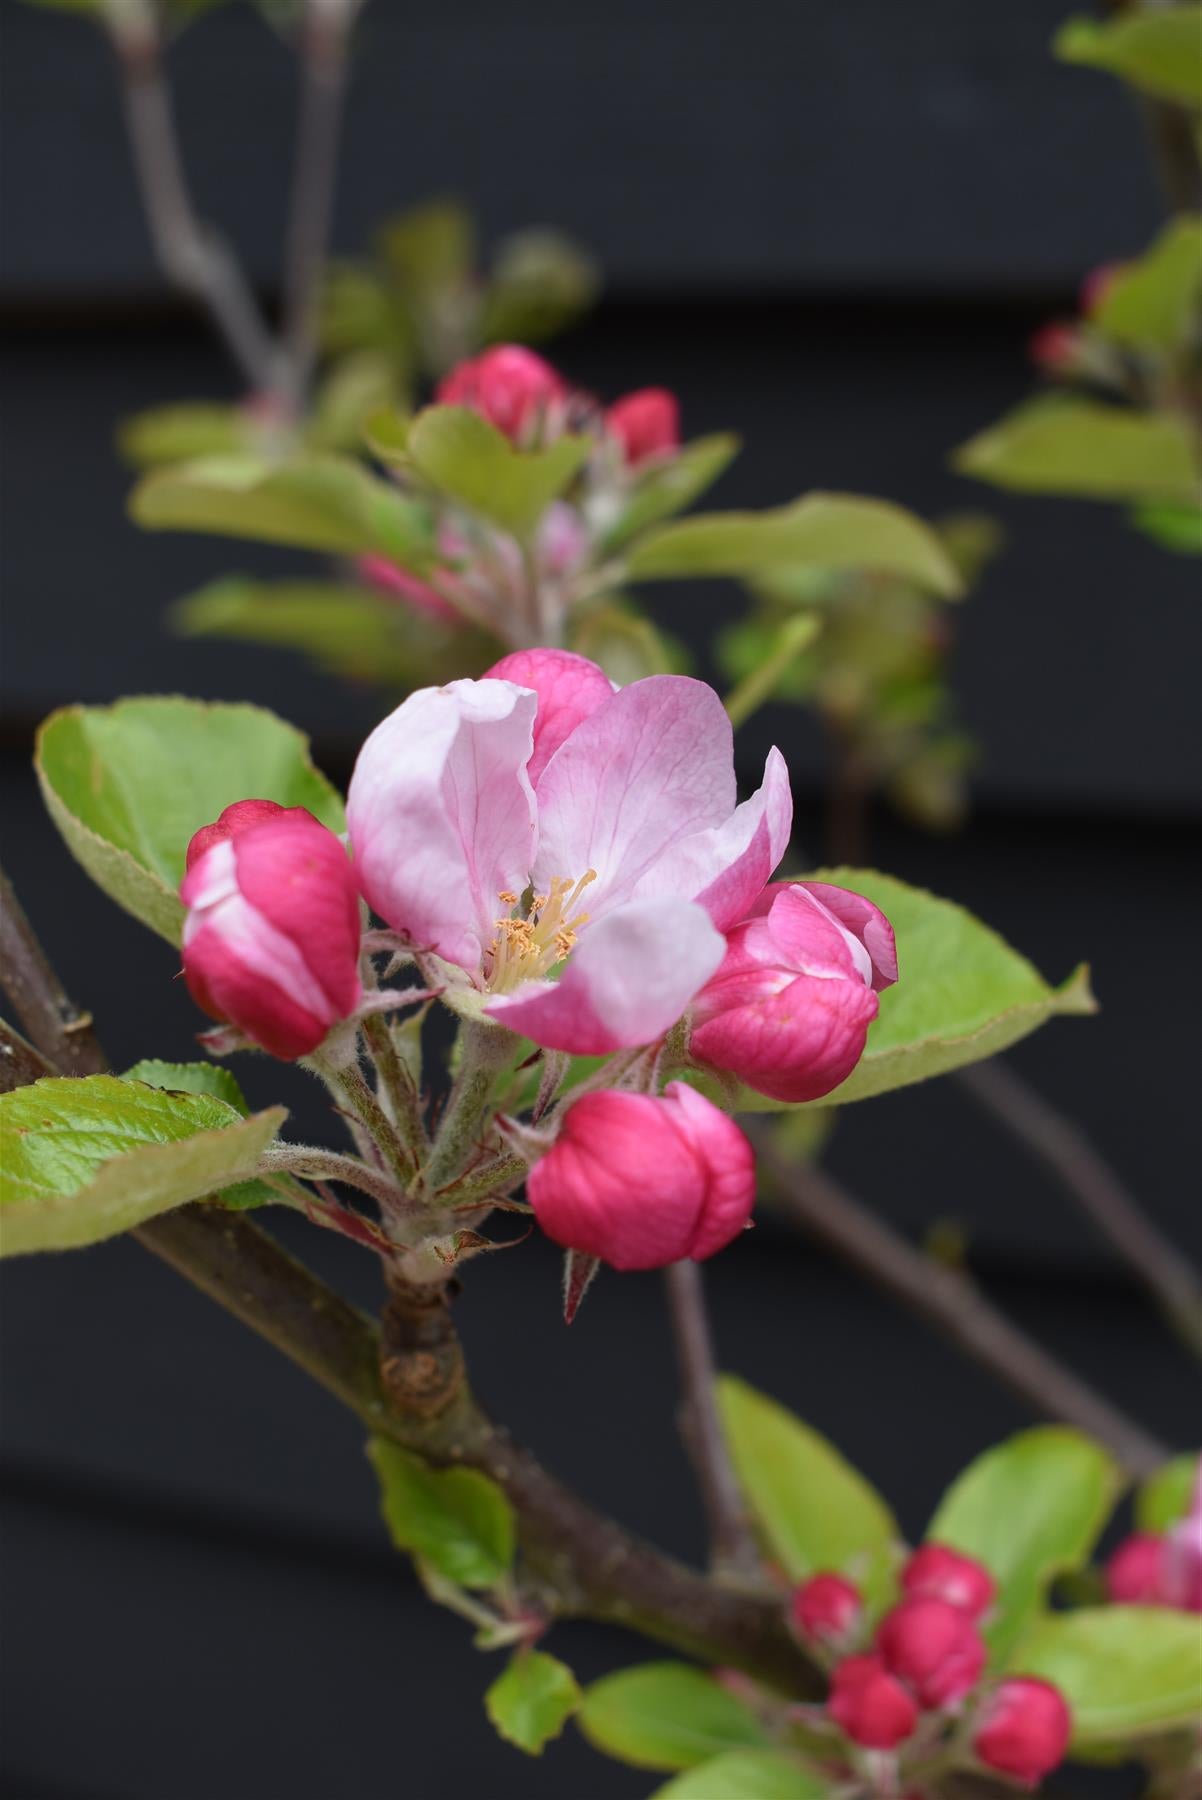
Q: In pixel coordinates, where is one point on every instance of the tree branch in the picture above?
(1084, 1173)
(950, 1301)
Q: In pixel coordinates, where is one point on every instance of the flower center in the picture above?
(529, 943)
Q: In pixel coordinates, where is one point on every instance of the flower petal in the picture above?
(855, 914)
(627, 982)
(442, 816)
(794, 1045)
(653, 765)
(569, 688)
(725, 868)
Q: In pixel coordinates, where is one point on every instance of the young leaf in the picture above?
(466, 458)
(1154, 302)
(1176, 528)
(532, 1701)
(666, 1715)
(183, 432)
(191, 1078)
(127, 785)
(1028, 1509)
(1165, 1497)
(87, 1158)
(745, 1775)
(811, 1508)
(457, 1519)
(1126, 1671)
(1084, 448)
(312, 502)
(662, 492)
(831, 531)
(1157, 49)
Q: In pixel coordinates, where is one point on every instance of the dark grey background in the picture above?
(832, 226)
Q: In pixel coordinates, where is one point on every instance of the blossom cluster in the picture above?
(567, 865)
(922, 1671)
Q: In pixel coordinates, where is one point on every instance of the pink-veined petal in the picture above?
(628, 980)
(855, 913)
(726, 867)
(442, 815)
(569, 688)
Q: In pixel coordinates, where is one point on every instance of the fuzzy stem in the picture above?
(398, 1088)
(485, 1049)
(365, 1103)
(329, 1165)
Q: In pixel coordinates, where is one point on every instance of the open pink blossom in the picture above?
(642, 1181)
(788, 1011)
(271, 937)
(552, 827)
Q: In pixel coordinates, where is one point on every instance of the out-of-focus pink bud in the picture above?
(381, 573)
(1055, 347)
(870, 1705)
(240, 817)
(511, 386)
(1134, 1571)
(642, 1182)
(939, 1573)
(1024, 1729)
(827, 1609)
(789, 1009)
(646, 424)
(934, 1648)
(1182, 1560)
(271, 938)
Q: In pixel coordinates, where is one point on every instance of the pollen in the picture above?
(527, 947)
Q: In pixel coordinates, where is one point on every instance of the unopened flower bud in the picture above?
(827, 1609)
(1134, 1571)
(933, 1647)
(1182, 1564)
(936, 1572)
(870, 1705)
(271, 937)
(1055, 347)
(1024, 1729)
(642, 1182)
(387, 577)
(646, 424)
(511, 387)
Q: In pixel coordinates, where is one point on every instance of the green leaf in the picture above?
(663, 491)
(1165, 1497)
(470, 461)
(311, 502)
(1176, 528)
(353, 389)
(532, 1701)
(457, 1519)
(745, 1775)
(813, 1511)
(1155, 302)
(1157, 49)
(790, 638)
(666, 1715)
(127, 785)
(209, 1078)
(1126, 1671)
(832, 531)
(1084, 448)
(540, 281)
(182, 432)
(962, 993)
(1029, 1509)
(429, 248)
(87, 1158)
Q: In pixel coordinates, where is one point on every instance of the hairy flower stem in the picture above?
(484, 1052)
(328, 1165)
(365, 1104)
(404, 1106)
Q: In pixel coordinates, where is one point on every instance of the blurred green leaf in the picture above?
(1158, 49)
(184, 431)
(1165, 1497)
(1029, 1509)
(745, 1775)
(833, 531)
(469, 460)
(1126, 1671)
(128, 785)
(666, 1715)
(627, 645)
(540, 281)
(88, 1157)
(813, 1511)
(533, 1699)
(311, 502)
(1155, 302)
(1176, 528)
(1063, 445)
(792, 636)
(457, 1519)
(360, 311)
(352, 390)
(667, 488)
(432, 246)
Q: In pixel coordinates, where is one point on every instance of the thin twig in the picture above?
(55, 1025)
(732, 1542)
(1063, 1146)
(20, 1063)
(949, 1300)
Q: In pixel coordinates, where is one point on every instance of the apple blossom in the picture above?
(1024, 1729)
(789, 1009)
(271, 936)
(615, 859)
(513, 388)
(937, 1572)
(870, 1705)
(934, 1648)
(641, 1181)
(826, 1609)
(646, 424)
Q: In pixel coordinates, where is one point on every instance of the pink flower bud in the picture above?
(1024, 1729)
(1055, 347)
(642, 1182)
(646, 424)
(1133, 1573)
(789, 1009)
(569, 688)
(387, 577)
(239, 818)
(937, 1573)
(826, 1609)
(1181, 1568)
(869, 1705)
(512, 387)
(934, 1648)
(271, 938)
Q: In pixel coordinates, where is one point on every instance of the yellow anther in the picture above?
(526, 949)
(507, 898)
